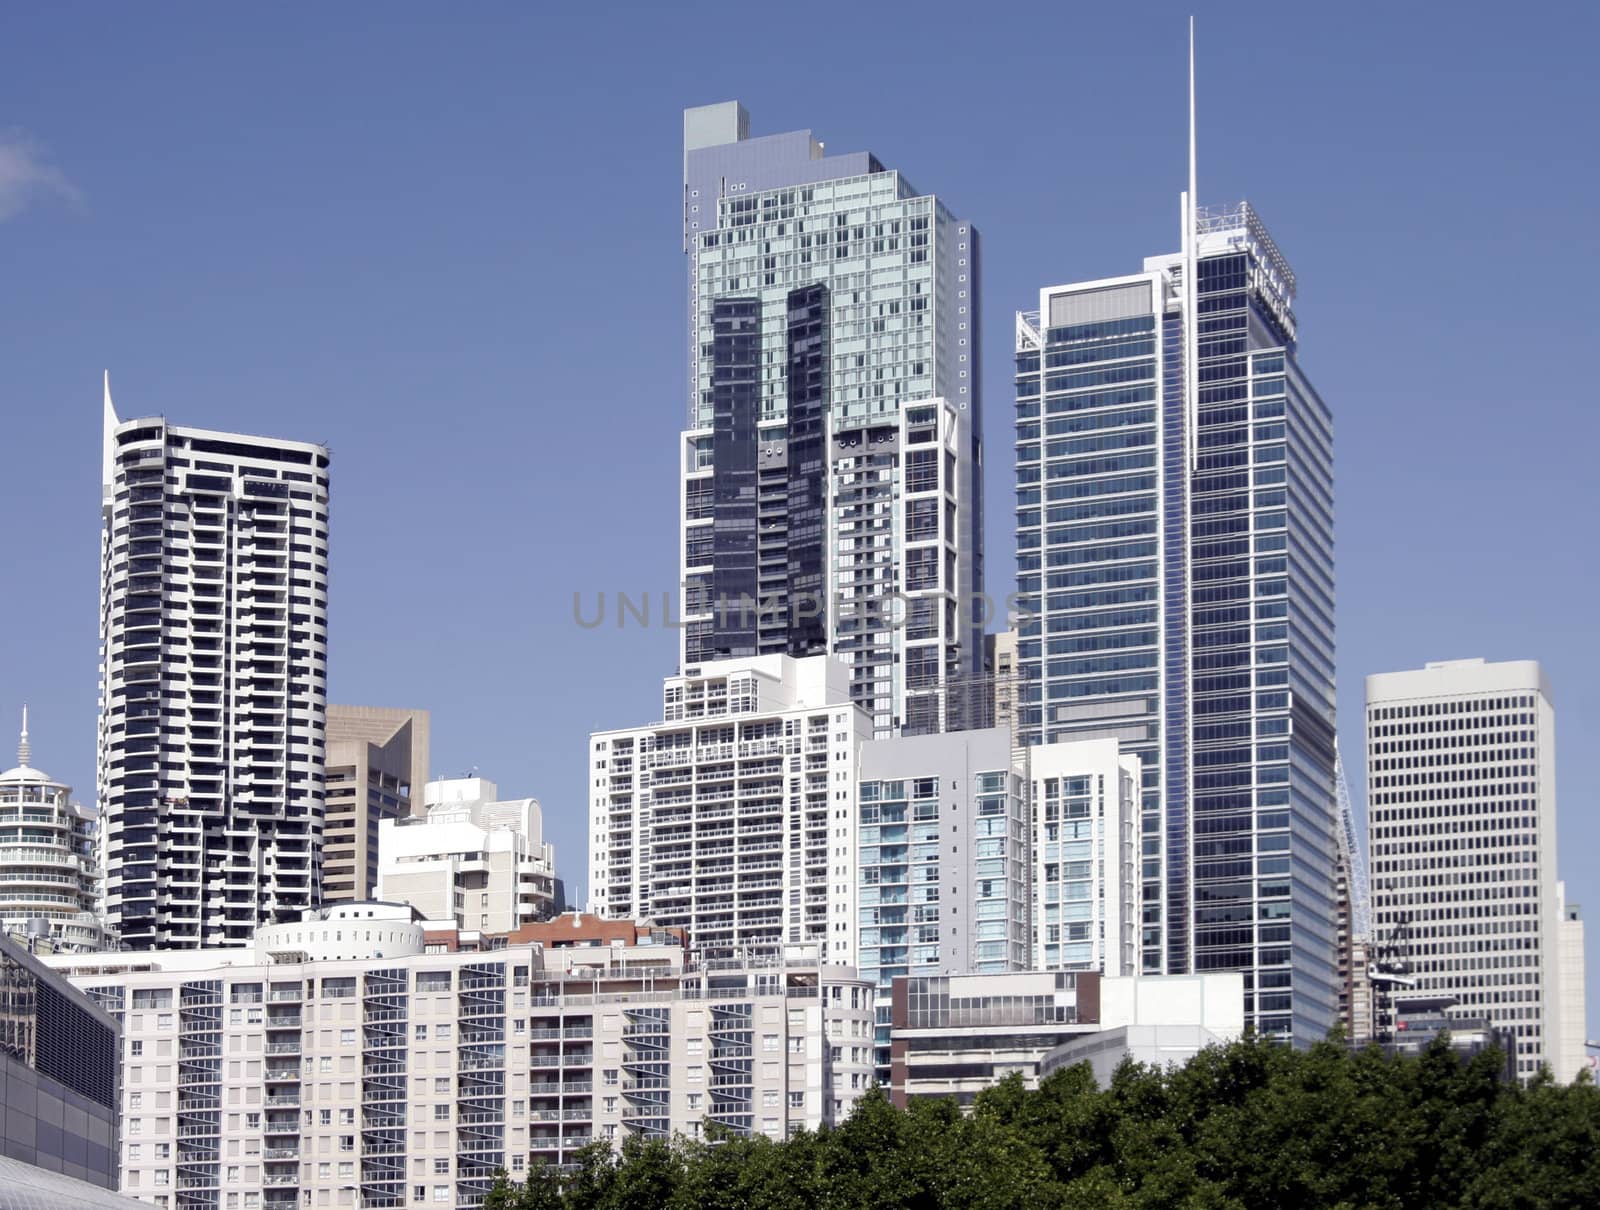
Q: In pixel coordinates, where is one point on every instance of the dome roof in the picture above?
(24, 772)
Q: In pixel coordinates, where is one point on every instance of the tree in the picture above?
(1253, 1125)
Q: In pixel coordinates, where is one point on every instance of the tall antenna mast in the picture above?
(1191, 290)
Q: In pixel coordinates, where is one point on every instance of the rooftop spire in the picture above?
(1191, 238)
(24, 751)
(1194, 199)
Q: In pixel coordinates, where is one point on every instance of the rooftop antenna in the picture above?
(1191, 238)
(24, 749)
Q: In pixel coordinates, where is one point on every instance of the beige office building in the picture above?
(377, 759)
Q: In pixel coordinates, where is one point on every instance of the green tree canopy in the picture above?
(1249, 1126)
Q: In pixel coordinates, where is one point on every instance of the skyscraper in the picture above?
(1175, 575)
(213, 631)
(1461, 807)
(831, 469)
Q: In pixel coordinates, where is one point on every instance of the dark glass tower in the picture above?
(1175, 564)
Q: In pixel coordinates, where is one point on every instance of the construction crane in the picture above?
(1388, 971)
(1355, 865)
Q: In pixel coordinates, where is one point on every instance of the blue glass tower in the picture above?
(1175, 571)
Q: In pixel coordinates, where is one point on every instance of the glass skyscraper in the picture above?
(831, 466)
(1175, 576)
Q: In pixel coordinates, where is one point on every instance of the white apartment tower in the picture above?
(831, 468)
(1085, 810)
(733, 816)
(213, 633)
(1462, 817)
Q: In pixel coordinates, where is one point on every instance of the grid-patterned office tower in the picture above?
(213, 633)
(1175, 569)
(832, 478)
(1461, 803)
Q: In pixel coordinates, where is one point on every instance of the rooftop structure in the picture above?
(471, 857)
(50, 877)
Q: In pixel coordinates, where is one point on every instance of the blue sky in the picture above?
(446, 243)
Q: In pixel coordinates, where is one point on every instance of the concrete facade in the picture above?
(1574, 1055)
(732, 817)
(377, 763)
(473, 857)
(1461, 781)
(1084, 801)
(406, 1078)
(956, 1035)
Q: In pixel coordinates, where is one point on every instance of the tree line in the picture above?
(1252, 1125)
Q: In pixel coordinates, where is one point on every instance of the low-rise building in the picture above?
(959, 1034)
(474, 858)
(338, 1062)
(59, 1068)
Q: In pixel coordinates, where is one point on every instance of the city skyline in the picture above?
(641, 658)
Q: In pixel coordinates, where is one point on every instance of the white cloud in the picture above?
(26, 176)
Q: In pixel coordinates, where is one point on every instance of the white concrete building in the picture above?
(1461, 788)
(48, 868)
(213, 631)
(1573, 1056)
(733, 816)
(1085, 808)
(472, 857)
(957, 1035)
(338, 1064)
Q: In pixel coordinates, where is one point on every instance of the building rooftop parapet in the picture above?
(1241, 216)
